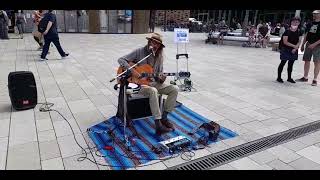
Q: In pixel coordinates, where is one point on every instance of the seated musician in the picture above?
(156, 85)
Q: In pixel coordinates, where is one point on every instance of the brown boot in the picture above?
(160, 129)
(167, 123)
(164, 120)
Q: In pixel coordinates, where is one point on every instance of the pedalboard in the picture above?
(175, 144)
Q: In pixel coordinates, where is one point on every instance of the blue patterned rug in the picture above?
(142, 146)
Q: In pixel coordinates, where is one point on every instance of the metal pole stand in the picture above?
(122, 107)
(122, 112)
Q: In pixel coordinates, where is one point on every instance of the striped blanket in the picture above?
(142, 139)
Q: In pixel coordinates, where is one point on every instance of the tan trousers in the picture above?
(153, 92)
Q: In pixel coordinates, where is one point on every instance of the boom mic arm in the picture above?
(131, 67)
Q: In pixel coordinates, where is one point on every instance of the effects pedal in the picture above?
(175, 144)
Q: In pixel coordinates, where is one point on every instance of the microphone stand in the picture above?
(123, 85)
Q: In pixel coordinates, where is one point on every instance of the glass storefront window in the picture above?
(128, 21)
(60, 21)
(121, 21)
(115, 21)
(111, 21)
(124, 21)
(71, 20)
(104, 21)
(83, 21)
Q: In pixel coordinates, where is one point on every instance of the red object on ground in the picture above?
(109, 148)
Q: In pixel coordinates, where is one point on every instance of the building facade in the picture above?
(97, 21)
(174, 16)
(275, 16)
(283, 15)
(138, 21)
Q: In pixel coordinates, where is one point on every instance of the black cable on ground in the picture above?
(189, 154)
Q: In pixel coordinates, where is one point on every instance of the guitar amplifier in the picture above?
(22, 90)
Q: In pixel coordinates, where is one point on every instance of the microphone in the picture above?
(151, 48)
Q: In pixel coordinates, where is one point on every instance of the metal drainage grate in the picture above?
(243, 150)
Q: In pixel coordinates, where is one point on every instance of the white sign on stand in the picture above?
(181, 35)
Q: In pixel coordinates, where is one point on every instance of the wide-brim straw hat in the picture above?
(157, 38)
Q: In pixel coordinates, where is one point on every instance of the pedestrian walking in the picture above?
(50, 35)
(20, 22)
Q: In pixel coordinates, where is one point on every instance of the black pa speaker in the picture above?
(138, 107)
(22, 90)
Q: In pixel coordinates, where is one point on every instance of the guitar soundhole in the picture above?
(144, 75)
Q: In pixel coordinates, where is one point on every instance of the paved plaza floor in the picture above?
(235, 87)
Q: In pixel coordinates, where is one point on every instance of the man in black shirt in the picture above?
(51, 35)
(312, 41)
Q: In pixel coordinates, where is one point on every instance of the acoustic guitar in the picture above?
(142, 74)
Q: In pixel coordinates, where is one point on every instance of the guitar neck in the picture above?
(181, 74)
(157, 74)
(169, 74)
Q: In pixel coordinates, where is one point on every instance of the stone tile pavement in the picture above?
(235, 86)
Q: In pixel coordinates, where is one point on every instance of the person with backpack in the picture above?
(4, 20)
(289, 45)
(312, 43)
(48, 27)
